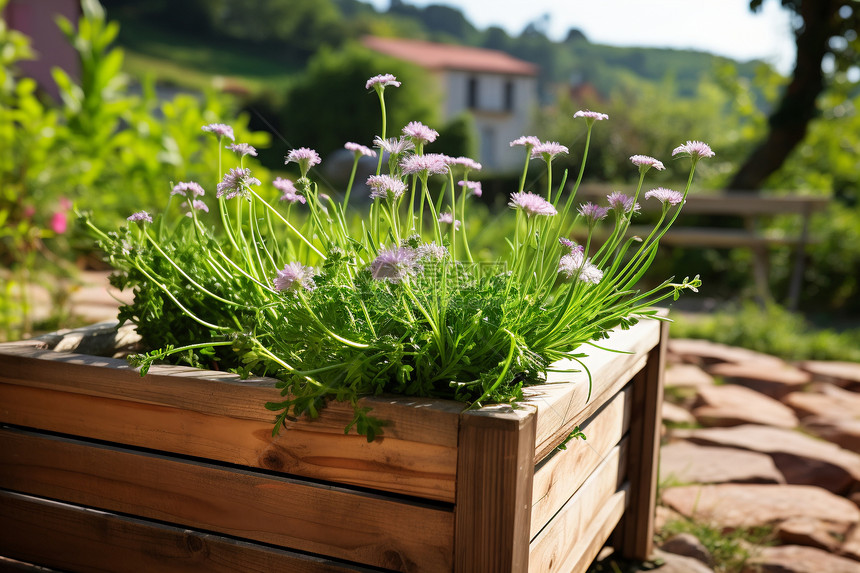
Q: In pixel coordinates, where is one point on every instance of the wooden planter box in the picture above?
(102, 470)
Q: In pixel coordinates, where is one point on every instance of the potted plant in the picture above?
(426, 406)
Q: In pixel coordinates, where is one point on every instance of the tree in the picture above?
(827, 43)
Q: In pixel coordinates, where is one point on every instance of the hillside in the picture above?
(260, 44)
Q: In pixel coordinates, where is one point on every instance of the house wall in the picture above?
(501, 105)
(35, 19)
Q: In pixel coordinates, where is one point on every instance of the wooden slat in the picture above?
(331, 521)
(73, 538)
(399, 466)
(494, 488)
(561, 545)
(563, 402)
(559, 476)
(636, 533)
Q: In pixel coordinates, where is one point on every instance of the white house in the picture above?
(500, 91)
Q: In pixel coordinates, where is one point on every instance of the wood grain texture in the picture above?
(87, 540)
(494, 488)
(399, 466)
(636, 532)
(563, 402)
(559, 546)
(561, 474)
(326, 520)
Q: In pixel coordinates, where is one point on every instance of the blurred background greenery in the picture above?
(288, 73)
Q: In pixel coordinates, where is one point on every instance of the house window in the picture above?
(488, 146)
(509, 95)
(472, 93)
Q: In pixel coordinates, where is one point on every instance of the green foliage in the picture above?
(329, 84)
(772, 330)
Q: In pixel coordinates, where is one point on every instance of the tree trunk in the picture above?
(789, 122)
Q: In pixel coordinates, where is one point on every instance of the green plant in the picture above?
(730, 549)
(399, 304)
(771, 329)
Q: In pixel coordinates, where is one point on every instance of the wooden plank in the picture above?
(577, 525)
(351, 525)
(561, 474)
(636, 533)
(8, 565)
(563, 403)
(398, 466)
(216, 393)
(75, 538)
(494, 488)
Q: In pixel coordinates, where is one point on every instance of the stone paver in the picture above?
(731, 405)
(799, 559)
(684, 462)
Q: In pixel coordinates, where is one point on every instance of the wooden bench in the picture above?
(752, 209)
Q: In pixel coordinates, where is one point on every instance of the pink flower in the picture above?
(526, 141)
(288, 190)
(359, 149)
(694, 149)
(432, 251)
(381, 81)
(432, 163)
(449, 219)
(574, 263)
(591, 115)
(532, 204)
(140, 217)
(293, 277)
(385, 187)
(665, 196)
(420, 133)
(622, 203)
(220, 129)
(65, 204)
(196, 204)
(236, 183)
(59, 222)
(593, 213)
(394, 264)
(547, 150)
(474, 187)
(393, 145)
(305, 157)
(243, 149)
(467, 162)
(643, 161)
(183, 187)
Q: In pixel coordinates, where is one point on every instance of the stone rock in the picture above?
(686, 376)
(811, 532)
(845, 374)
(851, 546)
(842, 432)
(827, 401)
(685, 462)
(665, 515)
(673, 563)
(704, 352)
(765, 376)
(751, 505)
(730, 405)
(801, 459)
(688, 545)
(798, 559)
(675, 414)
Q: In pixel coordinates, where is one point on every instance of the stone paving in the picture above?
(751, 440)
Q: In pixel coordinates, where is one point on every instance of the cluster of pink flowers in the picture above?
(665, 196)
(394, 145)
(359, 149)
(432, 163)
(184, 187)
(196, 205)
(140, 217)
(622, 203)
(548, 150)
(474, 187)
(574, 263)
(305, 157)
(243, 149)
(592, 213)
(590, 115)
(394, 264)
(420, 133)
(694, 149)
(646, 162)
(467, 162)
(449, 219)
(382, 81)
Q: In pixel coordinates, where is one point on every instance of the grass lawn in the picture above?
(198, 63)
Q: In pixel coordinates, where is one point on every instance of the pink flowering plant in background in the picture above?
(288, 282)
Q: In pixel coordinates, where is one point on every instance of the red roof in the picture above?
(435, 56)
